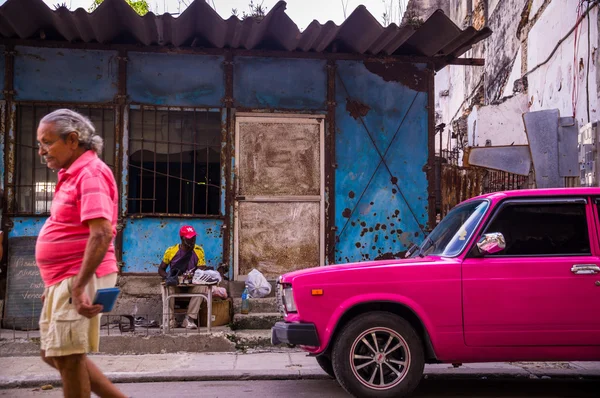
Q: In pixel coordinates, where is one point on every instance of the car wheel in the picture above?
(326, 365)
(378, 355)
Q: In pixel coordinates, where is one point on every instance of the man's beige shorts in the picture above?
(62, 330)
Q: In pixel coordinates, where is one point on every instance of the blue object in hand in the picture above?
(107, 298)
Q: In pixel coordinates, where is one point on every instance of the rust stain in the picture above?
(346, 213)
(459, 184)
(351, 194)
(406, 74)
(356, 109)
(394, 180)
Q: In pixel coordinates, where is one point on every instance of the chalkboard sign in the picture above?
(25, 287)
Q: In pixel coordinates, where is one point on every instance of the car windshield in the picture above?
(451, 235)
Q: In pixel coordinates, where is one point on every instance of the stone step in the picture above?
(251, 339)
(267, 304)
(235, 288)
(255, 320)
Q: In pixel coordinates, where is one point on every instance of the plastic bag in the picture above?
(219, 292)
(257, 284)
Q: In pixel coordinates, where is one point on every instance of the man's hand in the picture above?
(43, 297)
(83, 304)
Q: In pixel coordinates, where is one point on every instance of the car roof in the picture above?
(545, 192)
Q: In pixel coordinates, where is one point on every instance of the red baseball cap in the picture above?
(187, 231)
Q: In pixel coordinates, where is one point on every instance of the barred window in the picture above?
(34, 182)
(174, 161)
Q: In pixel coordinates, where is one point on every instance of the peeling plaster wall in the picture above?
(561, 83)
(525, 33)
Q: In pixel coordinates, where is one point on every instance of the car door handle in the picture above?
(583, 269)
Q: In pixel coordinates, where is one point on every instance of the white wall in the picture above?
(549, 87)
(552, 85)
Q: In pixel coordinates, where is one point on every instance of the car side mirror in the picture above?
(491, 243)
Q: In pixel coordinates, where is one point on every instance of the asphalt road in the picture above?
(330, 389)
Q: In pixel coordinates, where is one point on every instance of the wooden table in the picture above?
(166, 297)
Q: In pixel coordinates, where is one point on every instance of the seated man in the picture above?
(184, 256)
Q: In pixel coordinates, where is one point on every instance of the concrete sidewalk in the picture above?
(32, 372)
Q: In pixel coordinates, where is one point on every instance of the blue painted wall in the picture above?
(27, 226)
(176, 79)
(58, 74)
(275, 83)
(372, 218)
(148, 238)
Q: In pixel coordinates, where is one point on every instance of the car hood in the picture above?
(315, 271)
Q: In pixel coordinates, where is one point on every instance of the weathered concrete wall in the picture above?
(562, 83)
(140, 296)
(525, 34)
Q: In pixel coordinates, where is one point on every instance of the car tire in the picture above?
(378, 355)
(326, 365)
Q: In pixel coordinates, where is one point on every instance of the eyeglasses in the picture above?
(47, 145)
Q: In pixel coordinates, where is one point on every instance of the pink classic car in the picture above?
(509, 276)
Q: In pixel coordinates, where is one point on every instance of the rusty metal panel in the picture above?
(146, 239)
(568, 162)
(381, 186)
(514, 159)
(542, 133)
(276, 238)
(51, 74)
(275, 83)
(278, 159)
(175, 79)
(459, 184)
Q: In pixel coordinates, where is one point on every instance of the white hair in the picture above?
(66, 121)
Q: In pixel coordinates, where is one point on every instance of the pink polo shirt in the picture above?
(87, 190)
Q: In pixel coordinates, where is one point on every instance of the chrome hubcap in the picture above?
(380, 358)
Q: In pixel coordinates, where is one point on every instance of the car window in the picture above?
(542, 229)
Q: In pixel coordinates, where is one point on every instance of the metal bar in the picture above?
(9, 138)
(34, 209)
(165, 142)
(180, 163)
(330, 227)
(467, 61)
(288, 199)
(431, 181)
(206, 175)
(168, 161)
(176, 178)
(235, 52)
(142, 165)
(155, 150)
(62, 104)
(194, 164)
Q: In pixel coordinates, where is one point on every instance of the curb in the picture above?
(316, 375)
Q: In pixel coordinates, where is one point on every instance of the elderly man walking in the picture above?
(75, 251)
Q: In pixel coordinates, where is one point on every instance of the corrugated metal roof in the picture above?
(114, 22)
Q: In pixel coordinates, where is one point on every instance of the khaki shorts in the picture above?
(62, 330)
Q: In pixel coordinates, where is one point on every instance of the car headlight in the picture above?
(288, 299)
